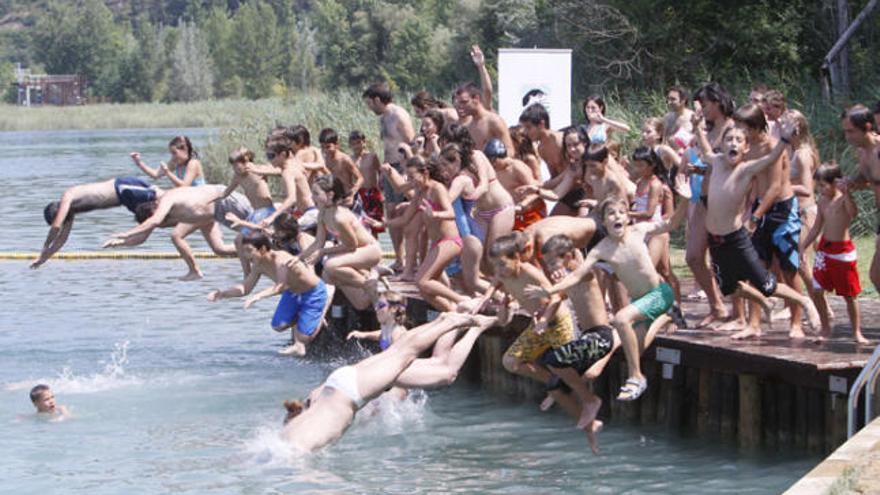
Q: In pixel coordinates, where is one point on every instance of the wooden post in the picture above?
(749, 412)
(729, 406)
(801, 427)
(715, 403)
(648, 402)
(815, 421)
(842, 61)
(835, 421)
(785, 415)
(691, 398)
(703, 406)
(675, 400)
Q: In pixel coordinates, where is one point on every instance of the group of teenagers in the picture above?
(465, 206)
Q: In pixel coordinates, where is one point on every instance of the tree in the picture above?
(257, 57)
(192, 76)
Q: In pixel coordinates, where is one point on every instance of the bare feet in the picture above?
(588, 413)
(484, 322)
(732, 325)
(796, 332)
(860, 339)
(711, 318)
(592, 431)
(297, 349)
(747, 333)
(192, 275)
(812, 314)
(782, 314)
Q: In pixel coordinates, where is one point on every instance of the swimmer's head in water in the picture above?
(614, 212)
(145, 210)
(294, 408)
(43, 398)
(557, 251)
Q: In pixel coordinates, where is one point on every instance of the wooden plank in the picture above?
(815, 421)
(785, 415)
(648, 402)
(691, 399)
(769, 414)
(729, 406)
(703, 405)
(750, 412)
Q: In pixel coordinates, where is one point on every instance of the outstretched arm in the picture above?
(144, 229)
(580, 274)
(239, 290)
(485, 80)
(154, 173)
(54, 241)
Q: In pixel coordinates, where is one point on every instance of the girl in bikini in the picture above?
(431, 201)
(599, 127)
(356, 252)
(804, 160)
(185, 168)
(330, 409)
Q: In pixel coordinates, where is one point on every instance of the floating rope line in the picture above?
(118, 255)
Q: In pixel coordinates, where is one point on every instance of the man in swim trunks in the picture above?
(552, 324)
(626, 251)
(775, 223)
(861, 134)
(122, 191)
(396, 128)
(733, 255)
(187, 209)
(536, 123)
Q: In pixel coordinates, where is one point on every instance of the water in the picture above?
(172, 393)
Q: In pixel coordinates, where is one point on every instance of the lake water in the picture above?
(174, 394)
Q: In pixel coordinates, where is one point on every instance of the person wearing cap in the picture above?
(516, 177)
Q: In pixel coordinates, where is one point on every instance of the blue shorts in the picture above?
(133, 191)
(303, 309)
(257, 216)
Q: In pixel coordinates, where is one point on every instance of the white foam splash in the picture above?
(67, 382)
(268, 449)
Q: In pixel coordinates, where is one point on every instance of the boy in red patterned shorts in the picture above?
(835, 267)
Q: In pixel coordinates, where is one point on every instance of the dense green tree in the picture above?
(257, 58)
(192, 73)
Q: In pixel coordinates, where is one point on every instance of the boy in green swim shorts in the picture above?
(626, 251)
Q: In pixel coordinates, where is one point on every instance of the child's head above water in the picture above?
(43, 399)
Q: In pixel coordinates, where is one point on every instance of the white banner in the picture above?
(535, 75)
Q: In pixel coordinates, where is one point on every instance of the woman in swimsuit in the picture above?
(431, 200)
(356, 251)
(495, 208)
(804, 159)
(187, 169)
(330, 409)
(599, 127)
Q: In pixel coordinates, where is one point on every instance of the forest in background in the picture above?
(187, 50)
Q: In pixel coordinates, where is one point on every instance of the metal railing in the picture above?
(867, 380)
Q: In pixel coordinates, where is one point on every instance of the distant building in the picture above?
(42, 89)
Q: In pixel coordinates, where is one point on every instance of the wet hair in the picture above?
(145, 210)
(285, 229)
(378, 90)
(471, 89)
(522, 145)
(459, 135)
(508, 245)
(294, 408)
(38, 391)
(649, 156)
(51, 211)
(332, 184)
(431, 166)
(752, 117)
(531, 94)
(860, 116)
(682, 93)
(437, 118)
(241, 154)
(776, 98)
(598, 155)
(557, 245)
(183, 143)
(258, 240)
(424, 99)
(598, 100)
(716, 93)
(828, 172)
(535, 114)
(356, 135)
(328, 135)
(581, 132)
(608, 203)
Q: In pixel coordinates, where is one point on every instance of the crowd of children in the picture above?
(466, 208)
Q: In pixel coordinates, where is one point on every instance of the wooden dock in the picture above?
(765, 393)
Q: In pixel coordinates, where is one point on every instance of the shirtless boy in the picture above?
(310, 158)
(679, 115)
(187, 209)
(122, 191)
(340, 164)
(552, 325)
(370, 195)
(395, 129)
(734, 256)
(626, 251)
(584, 233)
(303, 293)
(775, 222)
(515, 175)
(860, 133)
(294, 182)
(836, 266)
(44, 401)
(536, 123)
(484, 124)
